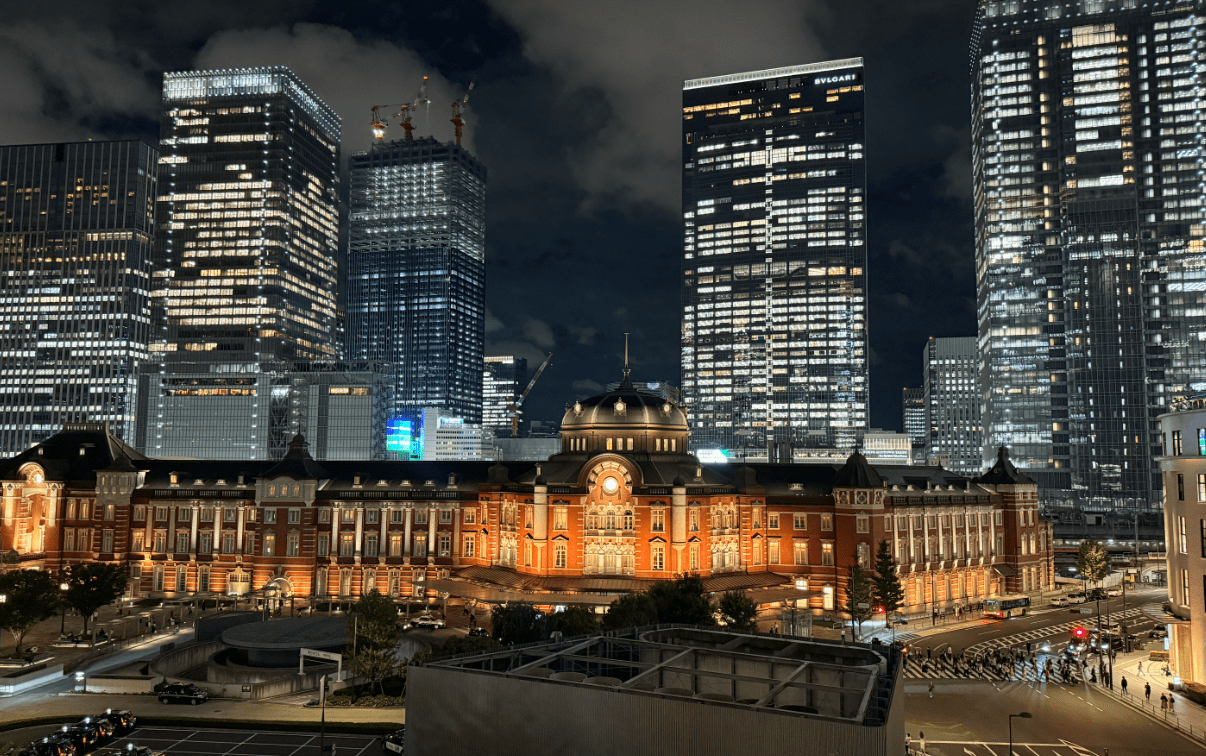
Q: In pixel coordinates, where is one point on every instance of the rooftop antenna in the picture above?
(626, 370)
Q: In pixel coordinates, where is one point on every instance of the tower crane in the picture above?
(513, 409)
(457, 110)
(408, 110)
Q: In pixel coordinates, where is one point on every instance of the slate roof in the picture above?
(1003, 472)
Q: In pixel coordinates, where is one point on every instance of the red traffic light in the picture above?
(1080, 632)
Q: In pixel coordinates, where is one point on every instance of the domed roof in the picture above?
(626, 406)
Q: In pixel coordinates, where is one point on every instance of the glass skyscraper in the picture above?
(951, 367)
(416, 272)
(1087, 159)
(245, 281)
(503, 381)
(76, 245)
(913, 415)
(774, 350)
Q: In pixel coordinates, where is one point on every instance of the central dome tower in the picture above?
(624, 420)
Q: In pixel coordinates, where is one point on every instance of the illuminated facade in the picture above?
(621, 504)
(1182, 463)
(249, 186)
(76, 249)
(503, 381)
(252, 413)
(416, 271)
(774, 351)
(952, 402)
(913, 411)
(1087, 163)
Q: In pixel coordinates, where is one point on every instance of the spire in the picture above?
(626, 369)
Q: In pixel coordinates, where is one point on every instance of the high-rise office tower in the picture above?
(951, 367)
(503, 381)
(774, 351)
(1087, 159)
(249, 207)
(913, 410)
(246, 273)
(416, 271)
(76, 241)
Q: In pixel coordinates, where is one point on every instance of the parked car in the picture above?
(1077, 598)
(1060, 601)
(1114, 592)
(477, 632)
(426, 620)
(85, 735)
(123, 721)
(1158, 632)
(129, 749)
(51, 745)
(395, 742)
(183, 693)
(105, 727)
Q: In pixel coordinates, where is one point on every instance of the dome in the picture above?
(626, 407)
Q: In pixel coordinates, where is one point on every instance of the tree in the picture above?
(682, 601)
(572, 621)
(91, 586)
(515, 623)
(457, 644)
(30, 596)
(632, 610)
(889, 594)
(373, 627)
(738, 611)
(1092, 561)
(860, 597)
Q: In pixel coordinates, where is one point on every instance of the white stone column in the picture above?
(359, 533)
(406, 549)
(192, 536)
(239, 536)
(383, 543)
(216, 547)
(456, 535)
(433, 514)
(336, 519)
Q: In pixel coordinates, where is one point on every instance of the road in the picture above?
(1043, 625)
(970, 718)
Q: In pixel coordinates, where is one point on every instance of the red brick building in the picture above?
(622, 504)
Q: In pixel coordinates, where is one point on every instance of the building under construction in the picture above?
(416, 271)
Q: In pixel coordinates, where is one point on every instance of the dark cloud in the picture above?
(577, 116)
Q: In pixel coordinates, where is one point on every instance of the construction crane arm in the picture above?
(513, 409)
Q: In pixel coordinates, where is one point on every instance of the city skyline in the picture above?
(578, 185)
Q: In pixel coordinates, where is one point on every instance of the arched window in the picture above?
(559, 555)
(611, 519)
(592, 521)
(628, 519)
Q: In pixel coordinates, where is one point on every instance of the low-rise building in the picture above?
(622, 504)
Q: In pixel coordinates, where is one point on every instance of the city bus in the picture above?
(1001, 607)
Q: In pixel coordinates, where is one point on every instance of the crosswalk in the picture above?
(1055, 633)
(924, 669)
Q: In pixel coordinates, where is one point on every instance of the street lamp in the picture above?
(1022, 715)
(63, 600)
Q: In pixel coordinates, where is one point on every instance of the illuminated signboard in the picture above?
(404, 437)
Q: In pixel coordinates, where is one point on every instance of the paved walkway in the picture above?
(1185, 715)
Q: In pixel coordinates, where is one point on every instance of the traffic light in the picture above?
(1079, 633)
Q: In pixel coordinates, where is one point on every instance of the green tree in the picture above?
(458, 644)
(571, 622)
(889, 595)
(860, 597)
(516, 622)
(30, 596)
(683, 601)
(738, 611)
(632, 610)
(1092, 561)
(91, 586)
(374, 632)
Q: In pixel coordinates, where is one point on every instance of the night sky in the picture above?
(576, 112)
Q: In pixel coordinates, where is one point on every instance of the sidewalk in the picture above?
(1186, 716)
(923, 624)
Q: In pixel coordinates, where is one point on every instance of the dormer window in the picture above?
(406, 482)
(430, 483)
(452, 479)
(198, 482)
(83, 451)
(381, 483)
(221, 481)
(356, 480)
(174, 478)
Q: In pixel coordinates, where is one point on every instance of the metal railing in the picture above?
(1136, 700)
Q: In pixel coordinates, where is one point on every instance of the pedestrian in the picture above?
(1163, 702)
(1028, 646)
(908, 743)
(1124, 685)
(929, 652)
(921, 741)
(1172, 701)
(1147, 691)
(931, 688)
(1140, 667)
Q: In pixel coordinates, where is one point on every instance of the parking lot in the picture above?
(193, 742)
(190, 742)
